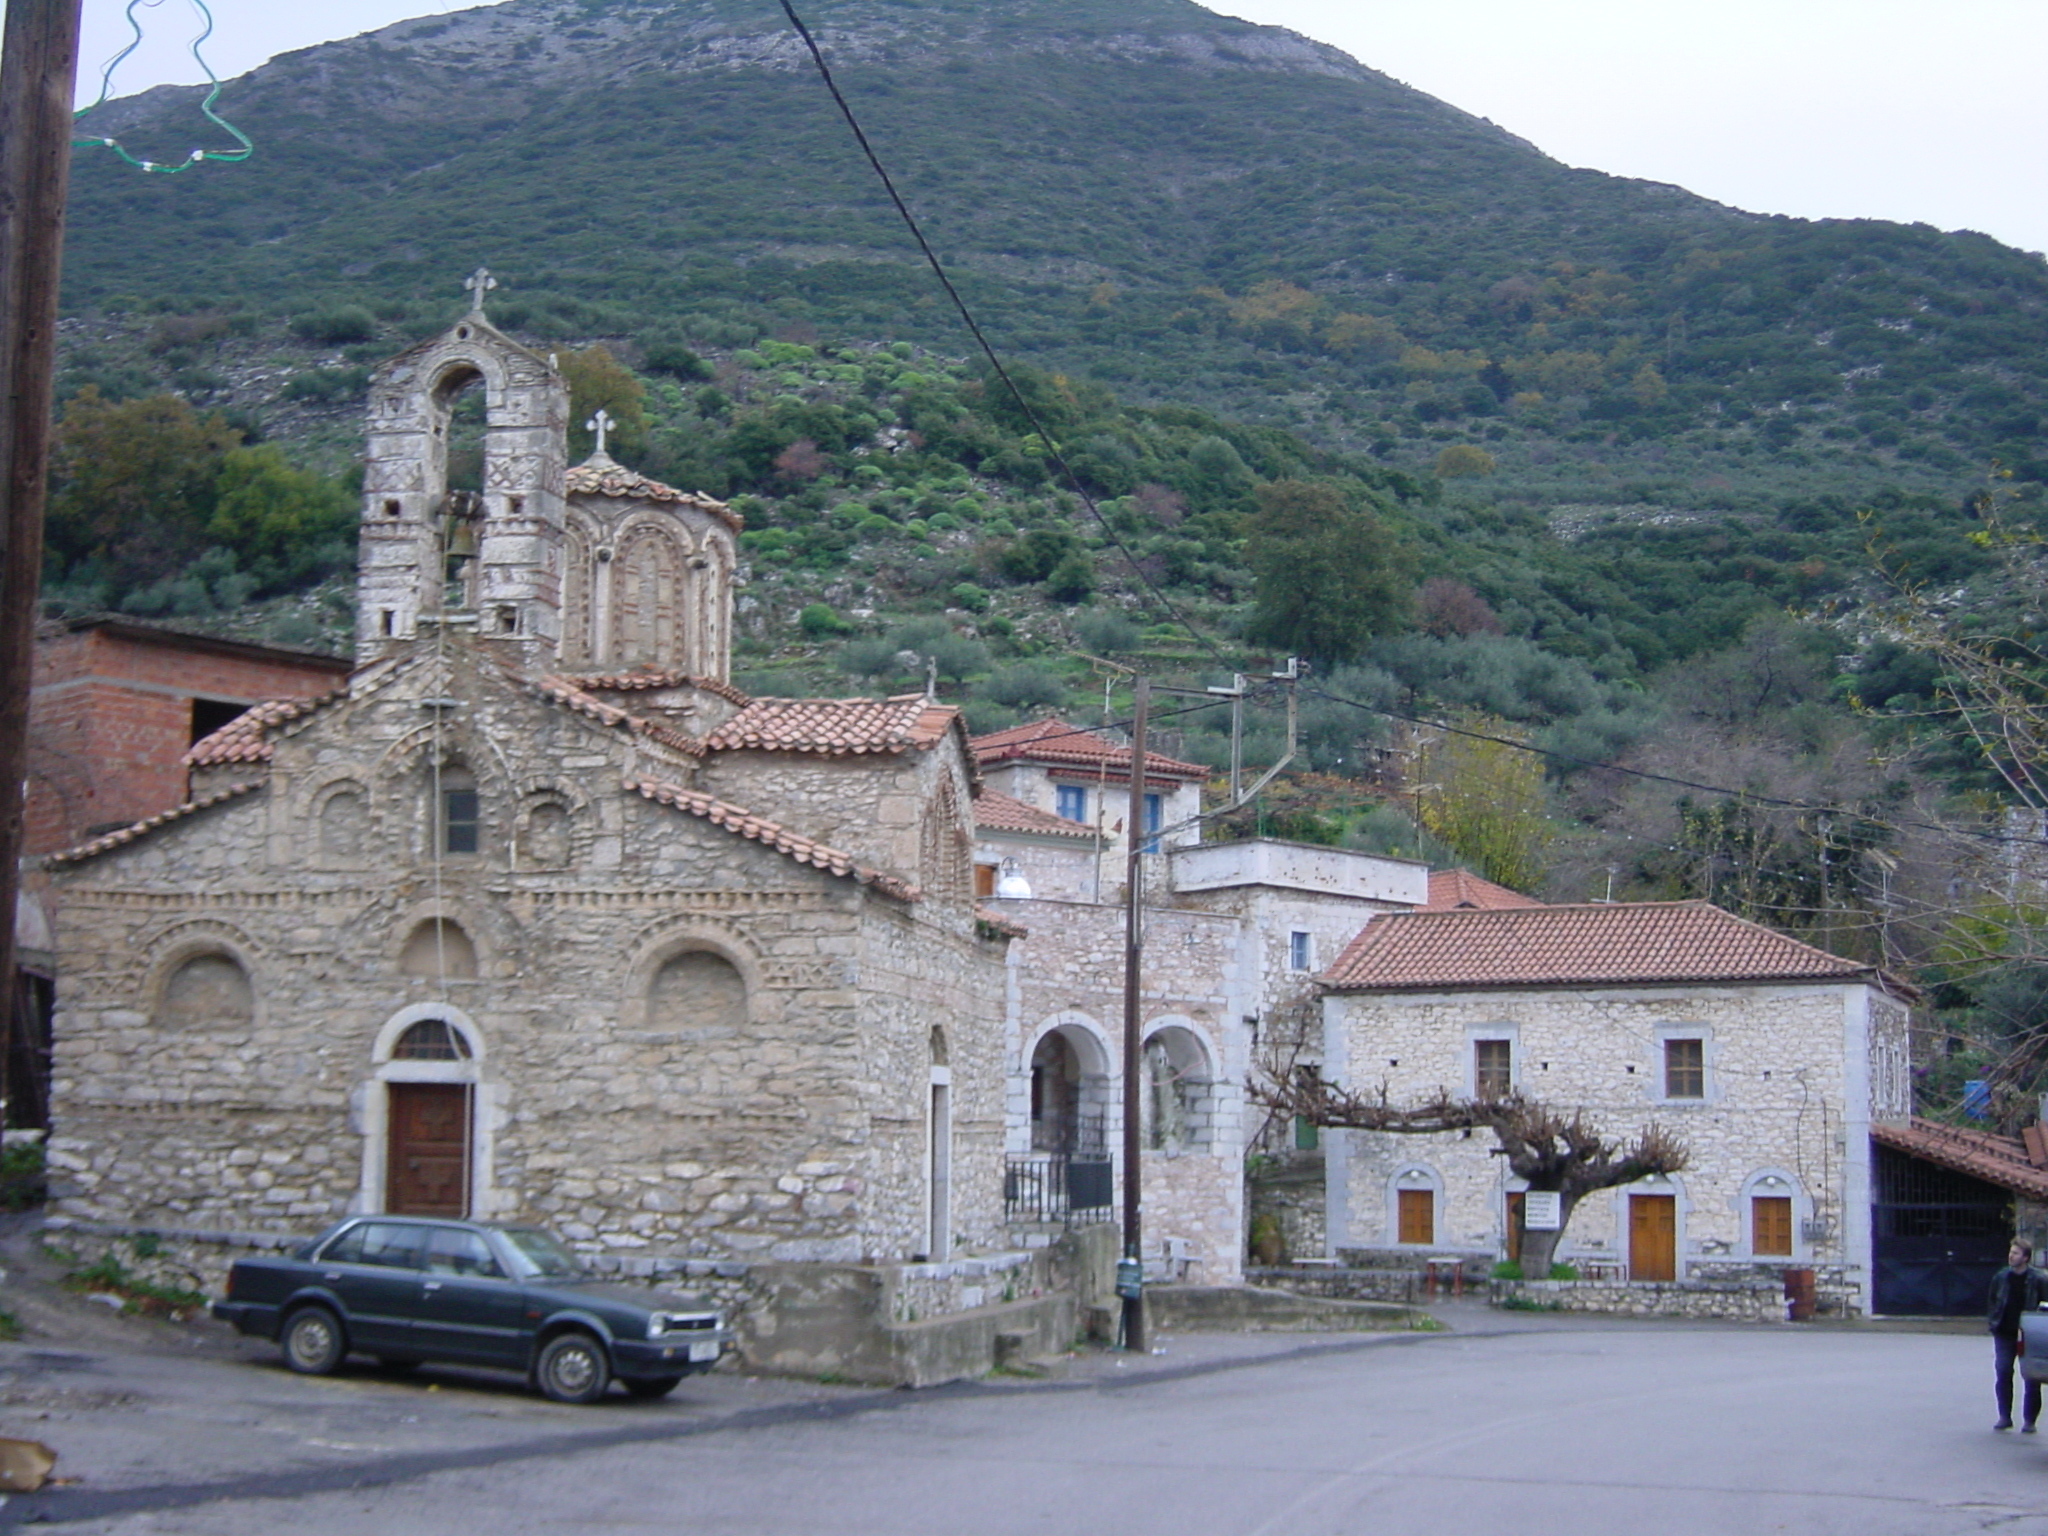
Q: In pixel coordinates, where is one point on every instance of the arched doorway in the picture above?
(426, 1138)
(427, 1160)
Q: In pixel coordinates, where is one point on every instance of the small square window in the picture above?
(1493, 1068)
(1073, 802)
(1685, 1069)
(1300, 952)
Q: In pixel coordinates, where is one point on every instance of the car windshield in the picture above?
(538, 1254)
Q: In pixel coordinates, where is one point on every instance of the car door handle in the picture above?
(432, 1285)
(332, 1274)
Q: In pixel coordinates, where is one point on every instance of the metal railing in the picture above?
(1054, 1186)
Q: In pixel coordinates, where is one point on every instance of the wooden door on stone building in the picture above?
(428, 1167)
(1652, 1237)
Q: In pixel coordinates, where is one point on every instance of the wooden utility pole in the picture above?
(1131, 1280)
(38, 78)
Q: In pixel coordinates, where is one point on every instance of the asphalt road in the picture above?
(1547, 1425)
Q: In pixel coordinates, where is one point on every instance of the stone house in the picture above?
(1234, 935)
(1771, 1059)
(537, 916)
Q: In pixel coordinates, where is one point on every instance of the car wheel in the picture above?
(572, 1369)
(651, 1387)
(312, 1341)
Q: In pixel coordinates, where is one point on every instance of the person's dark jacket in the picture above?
(2001, 1291)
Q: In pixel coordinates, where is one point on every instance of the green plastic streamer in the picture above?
(197, 156)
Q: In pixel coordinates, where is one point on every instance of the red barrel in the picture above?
(1799, 1291)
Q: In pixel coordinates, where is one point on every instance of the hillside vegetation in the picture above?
(1184, 207)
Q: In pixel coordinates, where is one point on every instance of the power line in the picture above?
(1052, 452)
(1052, 449)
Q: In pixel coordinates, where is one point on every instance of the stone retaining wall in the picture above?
(1744, 1301)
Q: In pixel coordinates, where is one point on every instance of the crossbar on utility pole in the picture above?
(38, 78)
(1134, 943)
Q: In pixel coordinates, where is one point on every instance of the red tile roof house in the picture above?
(539, 918)
(1773, 1060)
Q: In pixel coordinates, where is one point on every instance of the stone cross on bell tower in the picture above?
(600, 424)
(480, 283)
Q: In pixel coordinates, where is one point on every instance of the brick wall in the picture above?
(110, 718)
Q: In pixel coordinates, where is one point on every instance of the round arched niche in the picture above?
(699, 991)
(438, 950)
(1178, 1090)
(207, 990)
(343, 820)
(549, 834)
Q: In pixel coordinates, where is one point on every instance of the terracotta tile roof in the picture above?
(601, 475)
(641, 682)
(2000, 1160)
(996, 925)
(129, 834)
(995, 812)
(246, 738)
(1453, 890)
(1627, 943)
(745, 823)
(1057, 744)
(836, 727)
(560, 690)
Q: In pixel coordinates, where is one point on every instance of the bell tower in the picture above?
(490, 559)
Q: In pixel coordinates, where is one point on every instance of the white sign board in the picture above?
(1541, 1211)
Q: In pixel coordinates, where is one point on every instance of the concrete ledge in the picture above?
(1257, 1309)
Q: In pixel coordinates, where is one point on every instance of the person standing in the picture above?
(2015, 1290)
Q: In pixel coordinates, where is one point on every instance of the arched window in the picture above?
(207, 991)
(697, 991)
(438, 949)
(431, 1040)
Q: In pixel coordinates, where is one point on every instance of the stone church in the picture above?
(536, 916)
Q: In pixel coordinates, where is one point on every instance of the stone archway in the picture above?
(425, 1118)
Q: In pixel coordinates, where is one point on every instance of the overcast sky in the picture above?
(1919, 110)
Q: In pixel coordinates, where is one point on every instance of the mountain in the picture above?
(1182, 206)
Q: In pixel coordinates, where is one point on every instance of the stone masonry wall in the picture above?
(920, 1000)
(1069, 975)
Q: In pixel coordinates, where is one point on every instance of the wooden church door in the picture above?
(428, 1160)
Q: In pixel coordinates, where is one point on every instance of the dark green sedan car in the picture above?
(408, 1289)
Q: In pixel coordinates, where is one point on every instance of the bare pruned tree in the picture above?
(1551, 1150)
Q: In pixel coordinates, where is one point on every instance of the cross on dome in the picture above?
(601, 424)
(479, 284)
